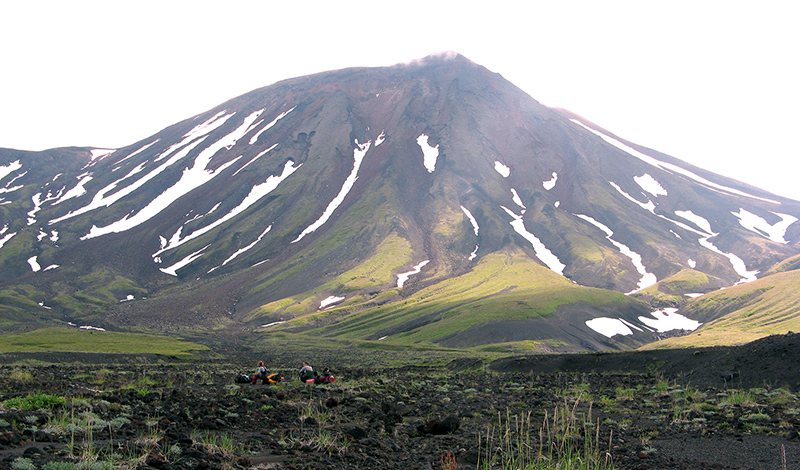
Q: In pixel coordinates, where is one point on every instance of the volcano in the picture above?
(430, 203)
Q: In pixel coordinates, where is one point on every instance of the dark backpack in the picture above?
(243, 379)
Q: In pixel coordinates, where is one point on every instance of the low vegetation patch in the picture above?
(82, 340)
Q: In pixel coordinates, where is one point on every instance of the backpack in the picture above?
(243, 379)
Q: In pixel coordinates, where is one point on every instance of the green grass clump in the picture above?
(39, 401)
(565, 440)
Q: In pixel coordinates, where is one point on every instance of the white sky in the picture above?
(714, 83)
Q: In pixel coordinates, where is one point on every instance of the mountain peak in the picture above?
(365, 191)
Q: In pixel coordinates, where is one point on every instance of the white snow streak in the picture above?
(358, 156)
(192, 178)
(99, 154)
(256, 193)
(649, 206)
(471, 219)
(173, 270)
(760, 226)
(8, 236)
(474, 229)
(517, 200)
(137, 152)
(328, 301)
(77, 191)
(274, 121)
(254, 159)
(242, 250)
(545, 256)
(701, 222)
(736, 262)
(429, 154)
(649, 184)
(381, 138)
(100, 199)
(548, 185)
(647, 279)
(668, 166)
(504, 171)
(403, 277)
(705, 234)
(6, 170)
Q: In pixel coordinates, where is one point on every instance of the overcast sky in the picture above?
(714, 83)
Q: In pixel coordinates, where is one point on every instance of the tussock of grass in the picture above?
(565, 440)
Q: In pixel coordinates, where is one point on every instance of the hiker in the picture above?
(261, 373)
(306, 372)
(325, 377)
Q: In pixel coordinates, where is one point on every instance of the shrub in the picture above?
(40, 401)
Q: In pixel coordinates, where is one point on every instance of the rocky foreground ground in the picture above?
(78, 411)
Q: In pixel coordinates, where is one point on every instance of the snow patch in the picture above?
(256, 193)
(517, 200)
(548, 185)
(669, 319)
(700, 221)
(34, 264)
(93, 328)
(330, 300)
(99, 154)
(77, 191)
(669, 166)
(429, 154)
(692, 263)
(545, 256)
(471, 219)
(6, 237)
(736, 262)
(173, 270)
(6, 170)
(609, 327)
(265, 128)
(474, 229)
(242, 250)
(358, 156)
(647, 279)
(403, 277)
(192, 178)
(273, 324)
(649, 184)
(649, 206)
(504, 171)
(756, 224)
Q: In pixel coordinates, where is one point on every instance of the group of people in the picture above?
(307, 374)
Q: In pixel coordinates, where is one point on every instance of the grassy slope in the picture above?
(77, 340)
(742, 313)
(502, 286)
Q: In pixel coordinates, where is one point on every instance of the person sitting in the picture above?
(306, 372)
(261, 373)
(325, 377)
